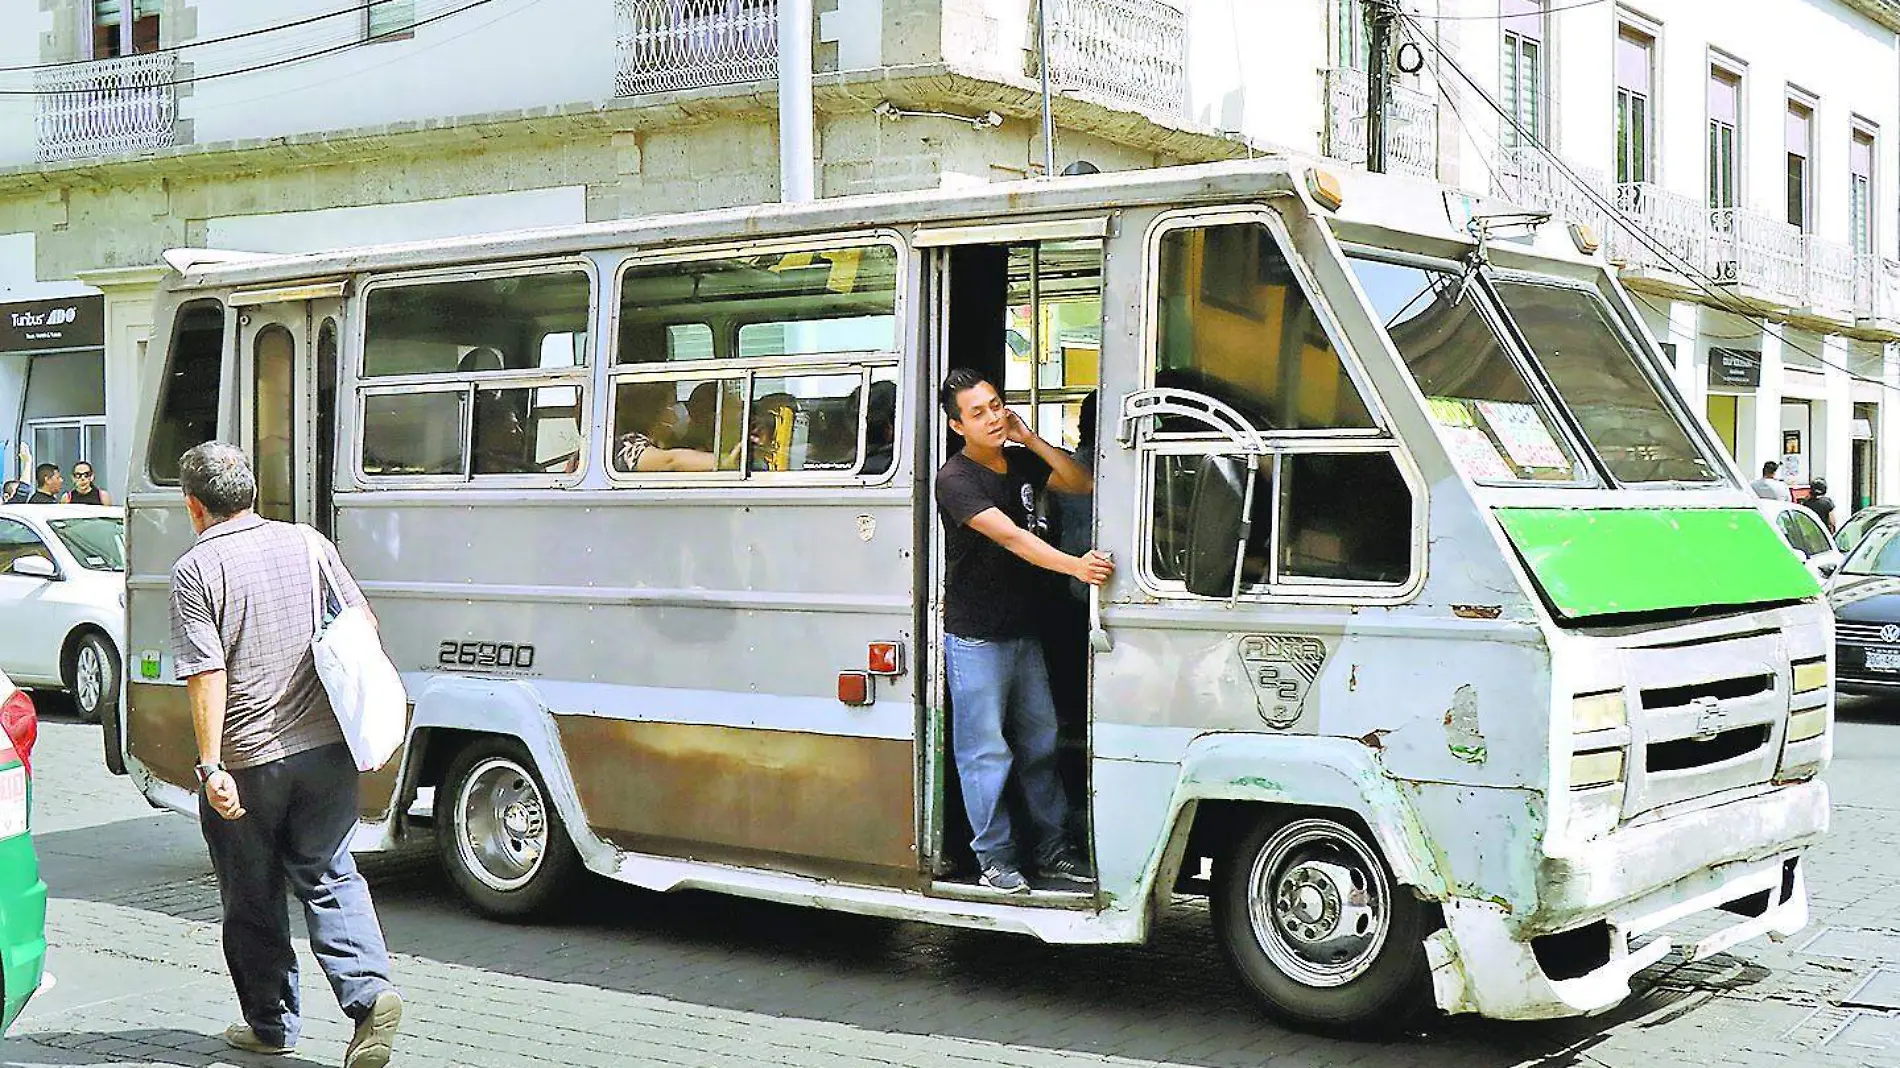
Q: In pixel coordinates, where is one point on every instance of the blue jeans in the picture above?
(295, 832)
(1004, 716)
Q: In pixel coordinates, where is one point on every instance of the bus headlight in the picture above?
(1807, 723)
(1597, 711)
(1809, 675)
(1599, 767)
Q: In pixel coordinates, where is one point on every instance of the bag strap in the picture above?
(322, 578)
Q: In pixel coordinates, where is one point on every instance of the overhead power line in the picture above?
(1502, 17)
(1722, 299)
(270, 64)
(353, 9)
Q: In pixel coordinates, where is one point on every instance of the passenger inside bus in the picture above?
(647, 426)
(880, 427)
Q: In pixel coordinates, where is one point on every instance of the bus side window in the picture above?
(188, 405)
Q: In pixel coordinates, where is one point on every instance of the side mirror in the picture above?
(1217, 526)
(1826, 570)
(34, 567)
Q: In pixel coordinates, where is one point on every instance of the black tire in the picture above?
(93, 676)
(498, 835)
(1350, 963)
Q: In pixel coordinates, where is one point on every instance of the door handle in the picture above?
(1099, 639)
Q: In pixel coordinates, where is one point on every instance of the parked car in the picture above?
(1861, 522)
(1865, 595)
(62, 600)
(1803, 532)
(22, 894)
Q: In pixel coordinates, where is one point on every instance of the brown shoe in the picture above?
(376, 1034)
(240, 1036)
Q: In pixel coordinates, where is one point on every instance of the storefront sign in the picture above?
(1734, 367)
(77, 322)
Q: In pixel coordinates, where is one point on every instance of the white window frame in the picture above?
(580, 376)
(749, 368)
(1865, 236)
(1539, 126)
(1378, 439)
(88, 13)
(1721, 63)
(1795, 97)
(1630, 22)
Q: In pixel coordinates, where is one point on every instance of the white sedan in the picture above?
(62, 600)
(1803, 532)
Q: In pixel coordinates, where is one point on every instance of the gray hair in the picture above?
(218, 475)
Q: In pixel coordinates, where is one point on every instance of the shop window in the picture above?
(507, 323)
(415, 433)
(188, 397)
(801, 303)
(1233, 323)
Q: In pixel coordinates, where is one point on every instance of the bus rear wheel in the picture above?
(498, 835)
(1311, 918)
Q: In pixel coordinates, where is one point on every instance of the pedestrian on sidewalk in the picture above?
(278, 785)
(1770, 487)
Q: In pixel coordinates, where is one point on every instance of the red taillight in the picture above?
(885, 658)
(22, 726)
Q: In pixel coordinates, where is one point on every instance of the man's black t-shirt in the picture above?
(42, 498)
(989, 592)
(1823, 507)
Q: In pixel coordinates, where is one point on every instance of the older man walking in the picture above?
(279, 785)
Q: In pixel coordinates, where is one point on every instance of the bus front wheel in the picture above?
(500, 839)
(1313, 921)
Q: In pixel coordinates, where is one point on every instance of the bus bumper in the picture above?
(1604, 911)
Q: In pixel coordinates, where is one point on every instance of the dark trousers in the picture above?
(295, 833)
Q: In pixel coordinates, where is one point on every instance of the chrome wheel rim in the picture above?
(501, 826)
(89, 681)
(1319, 903)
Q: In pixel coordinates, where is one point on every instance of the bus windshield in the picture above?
(1599, 377)
(1479, 399)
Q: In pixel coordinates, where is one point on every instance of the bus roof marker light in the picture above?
(1584, 236)
(1323, 186)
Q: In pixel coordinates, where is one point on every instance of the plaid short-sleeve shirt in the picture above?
(242, 602)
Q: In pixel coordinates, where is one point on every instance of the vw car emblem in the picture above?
(1890, 633)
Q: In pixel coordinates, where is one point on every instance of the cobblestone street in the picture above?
(692, 979)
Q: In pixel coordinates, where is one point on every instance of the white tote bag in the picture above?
(365, 690)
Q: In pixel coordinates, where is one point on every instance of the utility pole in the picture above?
(1048, 107)
(1380, 14)
(795, 134)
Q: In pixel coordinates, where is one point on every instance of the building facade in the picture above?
(128, 127)
(1755, 150)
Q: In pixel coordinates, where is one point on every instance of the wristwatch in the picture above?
(206, 771)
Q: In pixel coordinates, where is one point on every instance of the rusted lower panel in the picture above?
(818, 804)
(158, 728)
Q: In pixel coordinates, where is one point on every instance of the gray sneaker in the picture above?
(1067, 867)
(1005, 878)
(375, 1033)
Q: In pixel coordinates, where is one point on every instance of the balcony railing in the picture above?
(1876, 288)
(106, 107)
(1411, 124)
(1757, 253)
(1677, 228)
(1828, 280)
(1528, 177)
(689, 44)
(1128, 54)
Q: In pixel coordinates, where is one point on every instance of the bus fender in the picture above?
(508, 708)
(1344, 774)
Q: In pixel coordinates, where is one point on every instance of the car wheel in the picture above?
(498, 835)
(94, 678)
(1312, 919)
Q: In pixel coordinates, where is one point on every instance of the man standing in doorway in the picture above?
(1770, 487)
(46, 484)
(1003, 713)
(278, 799)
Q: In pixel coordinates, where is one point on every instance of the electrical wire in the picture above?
(270, 64)
(208, 41)
(1724, 301)
(1502, 17)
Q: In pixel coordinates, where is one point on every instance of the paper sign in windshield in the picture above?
(1474, 451)
(1523, 434)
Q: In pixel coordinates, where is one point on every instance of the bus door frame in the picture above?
(302, 311)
